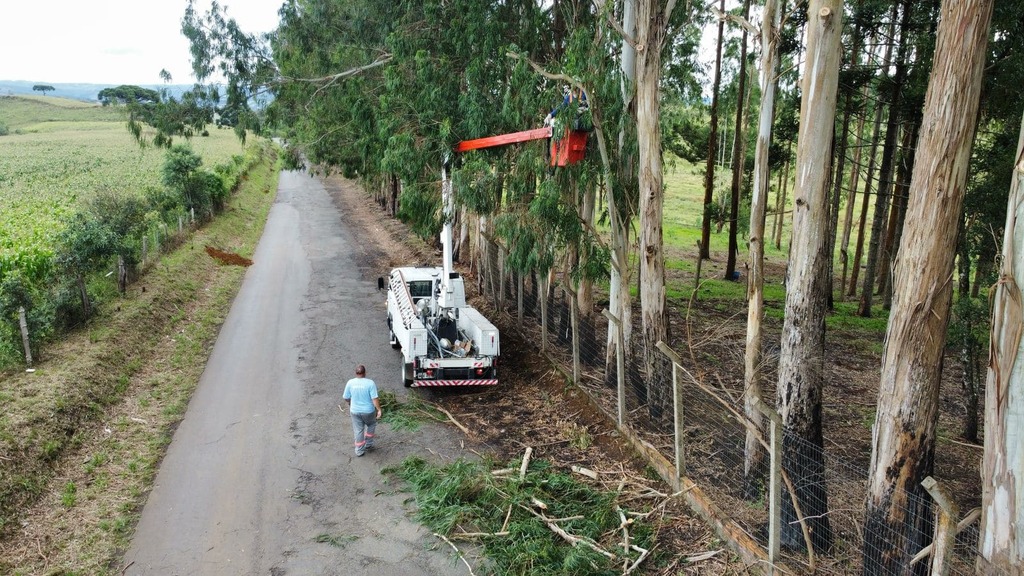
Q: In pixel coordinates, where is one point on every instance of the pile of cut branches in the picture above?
(530, 518)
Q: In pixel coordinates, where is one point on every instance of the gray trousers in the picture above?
(363, 426)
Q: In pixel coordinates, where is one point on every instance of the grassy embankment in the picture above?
(81, 437)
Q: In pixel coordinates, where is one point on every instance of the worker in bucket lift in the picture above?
(569, 95)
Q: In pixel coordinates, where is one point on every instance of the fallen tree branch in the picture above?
(571, 539)
(468, 535)
(457, 551)
(526, 462)
(584, 472)
(643, 556)
(452, 419)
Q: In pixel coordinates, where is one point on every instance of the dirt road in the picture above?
(260, 477)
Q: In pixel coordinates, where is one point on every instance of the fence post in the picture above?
(181, 225)
(677, 407)
(23, 322)
(774, 479)
(544, 286)
(519, 299)
(945, 527)
(574, 322)
(145, 241)
(620, 364)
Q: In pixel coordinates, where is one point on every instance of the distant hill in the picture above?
(83, 92)
(24, 111)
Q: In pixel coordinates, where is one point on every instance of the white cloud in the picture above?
(107, 41)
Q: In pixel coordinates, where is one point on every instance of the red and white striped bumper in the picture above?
(481, 382)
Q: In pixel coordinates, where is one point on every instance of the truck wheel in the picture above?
(406, 381)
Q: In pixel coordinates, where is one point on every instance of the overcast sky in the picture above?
(108, 41)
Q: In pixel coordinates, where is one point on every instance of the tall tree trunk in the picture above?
(851, 204)
(709, 171)
(737, 153)
(869, 179)
(585, 290)
(619, 297)
(780, 215)
(885, 182)
(840, 169)
(801, 360)
(983, 267)
(903, 437)
(970, 347)
(754, 466)
(1001, 543)
(652, 20)
(899, 210)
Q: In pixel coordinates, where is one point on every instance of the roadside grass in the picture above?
(82, 436)
(512, 521)
(408, 415)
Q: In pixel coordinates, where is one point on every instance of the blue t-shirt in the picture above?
(361, 391)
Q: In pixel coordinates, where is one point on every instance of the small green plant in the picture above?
(69, 495)
(579, 437)
(97, 460)
(51, 450)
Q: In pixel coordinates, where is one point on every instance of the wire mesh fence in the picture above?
(822, 485)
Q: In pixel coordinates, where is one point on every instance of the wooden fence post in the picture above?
(620, 364)
(519, 299)
(945, 527)
(677, 406)
(574, 322)
(23, 322)
(774, 479)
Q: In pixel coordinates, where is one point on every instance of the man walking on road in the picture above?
(361, 395)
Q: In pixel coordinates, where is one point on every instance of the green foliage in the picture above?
(44, 88)
(197, 189)
(84, 245)
(170, 116)
(465, 496)
(128, 94)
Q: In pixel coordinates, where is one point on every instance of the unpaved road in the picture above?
(260, 477)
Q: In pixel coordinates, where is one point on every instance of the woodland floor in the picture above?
(535, 407)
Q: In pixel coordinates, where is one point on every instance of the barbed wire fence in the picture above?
(696, 435)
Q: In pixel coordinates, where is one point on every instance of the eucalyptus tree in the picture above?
(904, 433)
(739, 157)
(801, 358)
(709, 170)
(1001, 542)
(658, 22)
(754, 454)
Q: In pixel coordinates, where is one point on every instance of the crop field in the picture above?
(59, 153)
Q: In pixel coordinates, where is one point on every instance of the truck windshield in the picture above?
(420, 288)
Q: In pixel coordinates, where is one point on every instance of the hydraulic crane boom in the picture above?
(503, 139)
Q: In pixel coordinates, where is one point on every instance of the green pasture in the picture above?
(58, 153)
